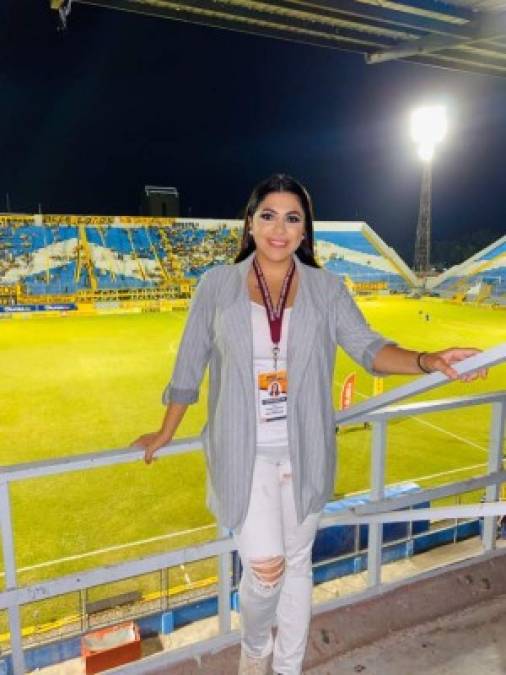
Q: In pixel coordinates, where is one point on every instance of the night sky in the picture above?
(89, 116)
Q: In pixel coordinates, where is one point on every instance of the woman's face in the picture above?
(277, 226)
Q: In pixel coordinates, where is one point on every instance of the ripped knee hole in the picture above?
(268, 570)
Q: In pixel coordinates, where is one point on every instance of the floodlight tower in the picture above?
(428, 128)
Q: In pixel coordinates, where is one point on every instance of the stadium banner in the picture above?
(347, 392)
(22, 309)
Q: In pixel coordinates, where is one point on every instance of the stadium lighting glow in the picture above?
(428, 128)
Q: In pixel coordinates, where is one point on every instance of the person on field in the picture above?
(275, 315)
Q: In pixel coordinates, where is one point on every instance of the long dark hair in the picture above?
(280, 182)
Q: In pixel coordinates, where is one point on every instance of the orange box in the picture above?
(110, 647)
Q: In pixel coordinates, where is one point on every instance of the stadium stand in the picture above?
(481, 278)
(93, 258)
(354, 251)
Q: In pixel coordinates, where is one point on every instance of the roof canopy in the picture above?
(466, 35)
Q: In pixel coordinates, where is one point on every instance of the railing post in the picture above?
(83, 601)
(375, 539)
(224, 587)
(18, 659)
(495, 462)
(164, 588)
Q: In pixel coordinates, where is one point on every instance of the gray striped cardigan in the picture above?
(218, 332)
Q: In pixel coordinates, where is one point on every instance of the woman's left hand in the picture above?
(444, 360)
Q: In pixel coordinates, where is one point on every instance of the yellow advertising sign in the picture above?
(378, 386)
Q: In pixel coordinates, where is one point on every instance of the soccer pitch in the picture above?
(82, 384)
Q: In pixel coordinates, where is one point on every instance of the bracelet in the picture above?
(419, 363)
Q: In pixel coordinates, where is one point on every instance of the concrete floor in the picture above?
(470, 642)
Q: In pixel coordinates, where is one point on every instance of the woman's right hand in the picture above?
(151, 443)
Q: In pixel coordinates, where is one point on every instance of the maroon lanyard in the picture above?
(274, 314)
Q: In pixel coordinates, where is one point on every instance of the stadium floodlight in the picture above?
(428, 128)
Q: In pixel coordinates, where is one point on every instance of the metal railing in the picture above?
(377, 411)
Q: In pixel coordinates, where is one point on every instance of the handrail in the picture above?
(116, 572)
(429, 494)
(434, 405)
(486, 359)
(92, 460)
(440, 513)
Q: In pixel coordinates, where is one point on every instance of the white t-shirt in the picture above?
(274, 432)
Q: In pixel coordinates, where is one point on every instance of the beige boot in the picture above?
(249, 665)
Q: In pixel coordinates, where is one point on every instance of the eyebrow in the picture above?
(288, 213)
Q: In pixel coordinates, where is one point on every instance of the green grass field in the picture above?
(81, 384)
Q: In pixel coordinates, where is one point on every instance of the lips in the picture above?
(277, 243)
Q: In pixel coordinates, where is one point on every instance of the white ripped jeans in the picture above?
(277, 577)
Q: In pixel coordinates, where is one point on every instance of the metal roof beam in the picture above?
(278, 20)
(452, 63)
(389, 16)
(289, 14)
(428, 8)
(282, 15)
(484, 52)
(251, 23)
(489, 26)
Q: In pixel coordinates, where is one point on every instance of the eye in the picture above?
(293, 219)
(266, 215)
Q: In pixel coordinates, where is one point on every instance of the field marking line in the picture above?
(450, 433)
(435, 426)
(109, 549)
(449, 472)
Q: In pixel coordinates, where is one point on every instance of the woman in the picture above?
(275, 316)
